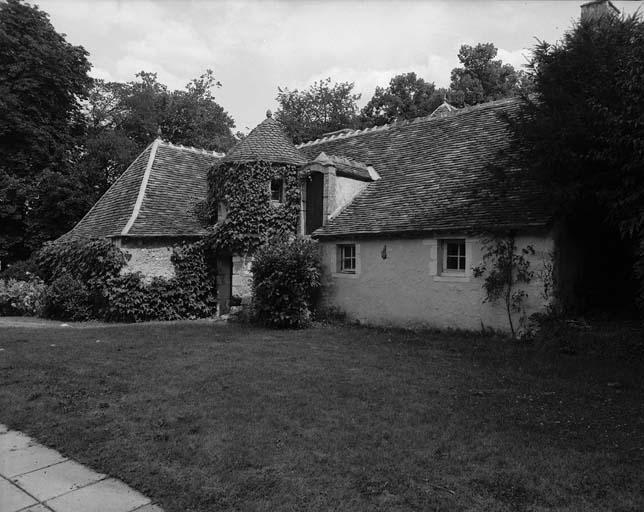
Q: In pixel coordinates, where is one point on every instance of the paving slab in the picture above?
(37, 508)
(105, 496)
(24, 460)
(52, 481)
(13, 499)
(12, 440)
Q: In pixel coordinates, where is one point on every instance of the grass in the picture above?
(207, 417)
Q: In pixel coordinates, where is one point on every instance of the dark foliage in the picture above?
(286, 276)
(322, 108)
(67, 298)
(24, 270)
(42, 79)
(406, 97)
(85, 260)
(481, 78)
(583, 132)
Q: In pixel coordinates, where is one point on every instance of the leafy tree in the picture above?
(406, 97)
(324, 107)
(583, 132)
(42, 79)
(481, 78)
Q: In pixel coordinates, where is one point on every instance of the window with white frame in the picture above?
(453, 255)
(347, 258)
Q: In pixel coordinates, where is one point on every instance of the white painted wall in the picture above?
(407, 288)
(345, 190)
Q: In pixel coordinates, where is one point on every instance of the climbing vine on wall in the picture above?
(244, 189)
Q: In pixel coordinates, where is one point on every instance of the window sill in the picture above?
(350, 275)
(452, 278)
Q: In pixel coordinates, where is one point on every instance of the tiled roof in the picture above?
(437, 176)
(266, 142)
(155, 196)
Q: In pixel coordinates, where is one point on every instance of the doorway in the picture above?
(314, 202)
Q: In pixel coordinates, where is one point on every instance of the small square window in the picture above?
(277, 190)
(347, 258)
(453, 255)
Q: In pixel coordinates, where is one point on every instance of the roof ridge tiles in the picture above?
(192, 148)
(405, 122)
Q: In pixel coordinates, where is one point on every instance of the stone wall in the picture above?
(399, 282)
(150, 261)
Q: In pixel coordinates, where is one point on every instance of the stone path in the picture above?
(34, 478)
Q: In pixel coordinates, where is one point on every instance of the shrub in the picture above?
(505, 271)
(25, 270)
(286, 276)
(67, 298)
(85, 260)
(19, 297)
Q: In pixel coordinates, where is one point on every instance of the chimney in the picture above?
(597, 9)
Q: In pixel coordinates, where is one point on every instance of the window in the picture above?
(347, 258)
(453, 255)
(277, 190)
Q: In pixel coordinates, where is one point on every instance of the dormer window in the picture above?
(277, 190)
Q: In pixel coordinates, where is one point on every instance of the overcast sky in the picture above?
(256, 46)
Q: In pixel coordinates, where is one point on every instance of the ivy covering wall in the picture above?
(84, 280)
(244, 189)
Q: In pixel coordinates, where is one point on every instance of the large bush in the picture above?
(67, 298)
(286, 277)
(21, 298)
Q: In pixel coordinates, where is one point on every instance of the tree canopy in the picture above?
(406, 97)
(582, 133)
(324, 107)
(65, 138)
(481, 78)
(42, 80)
(123, 118)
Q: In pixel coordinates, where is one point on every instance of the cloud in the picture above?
(255, 46)
(518, 58)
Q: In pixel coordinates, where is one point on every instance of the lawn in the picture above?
(207, 417)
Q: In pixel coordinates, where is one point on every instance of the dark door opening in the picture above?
(314, 202)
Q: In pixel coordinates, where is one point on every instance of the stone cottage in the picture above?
(401, 212)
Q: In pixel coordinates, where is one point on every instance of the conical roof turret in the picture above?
(266, 142)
